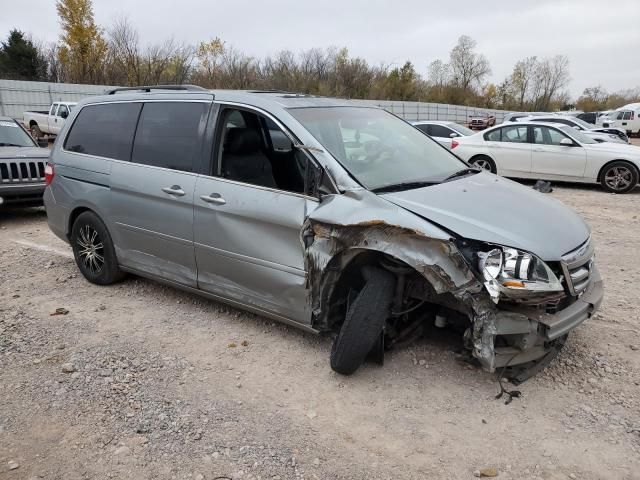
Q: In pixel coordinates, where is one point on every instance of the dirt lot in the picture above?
(143, 381)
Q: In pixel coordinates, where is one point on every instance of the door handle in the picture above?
(175, 190)
(215, 198)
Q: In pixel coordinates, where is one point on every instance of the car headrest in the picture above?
(242, 140)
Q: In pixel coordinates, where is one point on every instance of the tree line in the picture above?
(114, 55)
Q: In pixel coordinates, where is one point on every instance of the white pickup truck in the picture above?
(48, 122)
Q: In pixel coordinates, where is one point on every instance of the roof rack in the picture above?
(148, 88)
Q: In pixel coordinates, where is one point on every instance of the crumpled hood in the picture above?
(23, 152)
(493, 209)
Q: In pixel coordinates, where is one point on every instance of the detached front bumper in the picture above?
(22, 193)
(523, 335)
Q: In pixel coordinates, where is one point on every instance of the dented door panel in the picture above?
(249, 249)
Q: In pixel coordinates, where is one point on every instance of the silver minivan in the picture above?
(325, 214)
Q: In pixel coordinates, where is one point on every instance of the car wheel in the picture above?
(364, 321)
(36, 133)
(619, 177)
(93, 250)
(484, 162)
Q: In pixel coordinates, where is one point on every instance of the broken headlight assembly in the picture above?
(516, 274)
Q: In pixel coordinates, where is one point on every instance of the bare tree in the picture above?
(552, 75)
(467, 66)
(522, 78)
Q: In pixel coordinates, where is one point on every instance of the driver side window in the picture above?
(253, 149)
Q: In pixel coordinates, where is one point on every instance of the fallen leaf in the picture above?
(60, 311)
(244, 343)
(232, 345)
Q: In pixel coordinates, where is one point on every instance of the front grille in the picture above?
(21, 171)
(476, 122)
(577, 266)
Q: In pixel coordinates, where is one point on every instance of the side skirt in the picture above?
(211, 296)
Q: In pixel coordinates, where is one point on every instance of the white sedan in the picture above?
(445, 133)
(550, 151)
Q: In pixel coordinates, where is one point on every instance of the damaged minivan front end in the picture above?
(509, 268)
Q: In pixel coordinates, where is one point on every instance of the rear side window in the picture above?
(169, 134)
(104, 130)
(440, 131)
(424, 128)
(493, 135)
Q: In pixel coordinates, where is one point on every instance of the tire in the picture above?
(364, 321)
(619, 177)
(484, 162)
(93, 250)
(36, 133)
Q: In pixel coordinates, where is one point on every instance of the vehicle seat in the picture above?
(243, 159)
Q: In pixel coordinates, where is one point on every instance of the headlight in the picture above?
(516, 274)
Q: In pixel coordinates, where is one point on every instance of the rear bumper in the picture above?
(21, 193)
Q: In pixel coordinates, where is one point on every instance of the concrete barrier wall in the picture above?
(16, 97)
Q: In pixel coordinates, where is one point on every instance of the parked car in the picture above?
(22, 165)
(550, 151)
(589, 117)
(364, 228)
(627, 120)
(514, 116)
(480, 122)
(444, 133)
(599, 134)
(50, 121)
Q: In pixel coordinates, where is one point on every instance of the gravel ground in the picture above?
(141, 381)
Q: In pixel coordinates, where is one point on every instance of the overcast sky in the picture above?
(601, 38)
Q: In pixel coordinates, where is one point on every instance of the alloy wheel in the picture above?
(483, 164)
(91, 250)
(618, 178)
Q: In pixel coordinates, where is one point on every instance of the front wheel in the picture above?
(364, 321)
(483, 162)
(93, 250)
(619, 177)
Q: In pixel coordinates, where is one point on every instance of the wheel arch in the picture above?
(75, 213)
(343, 272)
(484, 155)
(604, 167)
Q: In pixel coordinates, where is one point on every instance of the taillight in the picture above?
(49, 173)
(454, 144)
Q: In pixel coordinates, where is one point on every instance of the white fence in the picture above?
(414, 111)
(16, 97)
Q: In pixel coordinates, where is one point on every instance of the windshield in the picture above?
(377, 148)
(11, 135)
(464, 131)
(582, 123)
(577, 135)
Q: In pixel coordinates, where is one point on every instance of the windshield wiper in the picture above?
(460, 173)
(396, 187)
(10, 145)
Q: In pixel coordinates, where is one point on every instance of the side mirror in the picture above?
(566, 142)
(43, 142)
(64, 114)
(454, 135)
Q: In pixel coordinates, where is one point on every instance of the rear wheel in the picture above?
(364, 321)
(36, 133)
(93, 250)
(484, 162)
(619, 177)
